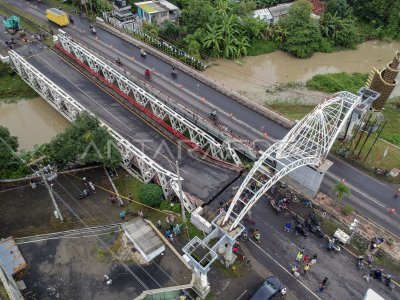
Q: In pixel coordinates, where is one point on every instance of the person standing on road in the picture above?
(92, 187)
(313, 260)
(305, 259)
(322, 286)
(288, 226)
(159, 224)
(257, 236)
(306, 268)
(122, 214)
(299, 256)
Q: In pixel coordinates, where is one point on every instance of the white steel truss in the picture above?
(132, 158)
(196, 135)
(307, 143)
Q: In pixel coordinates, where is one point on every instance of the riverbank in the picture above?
(12, 87)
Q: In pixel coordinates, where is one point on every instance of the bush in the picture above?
(168, 205)
(261, 47)
(347, 209)
(150, 194)
(336, 82)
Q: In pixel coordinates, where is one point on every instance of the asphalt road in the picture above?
(370, 197)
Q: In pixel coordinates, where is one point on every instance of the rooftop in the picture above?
(262, 13)
(151, 7)
(280, 9)
(10, 256)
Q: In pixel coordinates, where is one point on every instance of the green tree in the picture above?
(341, 190)
(342, 32)
(103, 5)
(170, 30)
(303, 35)
(242, 44)
(85, 142)
(9, 161)
(150, 194)
(339, 7)
(150, 28)
(253, 28)
(213, 39)
(196, 15)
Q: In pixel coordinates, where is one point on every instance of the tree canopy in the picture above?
(85, 142)
(10, 165)
(150, 194)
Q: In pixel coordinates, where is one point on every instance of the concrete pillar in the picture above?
(201, 284)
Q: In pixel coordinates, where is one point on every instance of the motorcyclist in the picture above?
(93, 30)
(118, 61)
(331, 242)
(378, 274)
(147, 73)
(360, 261)
(71, 20)
(213, 114)
(143, 52)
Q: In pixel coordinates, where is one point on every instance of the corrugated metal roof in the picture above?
(151, 7)
(11, 257)
(281, 9)
(263, 13)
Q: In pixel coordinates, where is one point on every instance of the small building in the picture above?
(273, 14)
(11, 257)
(157, 11)
(279, 11)
(263, 14)
(145, 239)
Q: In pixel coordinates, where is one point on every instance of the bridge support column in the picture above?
(201, 284)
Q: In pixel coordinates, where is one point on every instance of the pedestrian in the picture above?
(221, 209)
(305, 259)
(226, 206)
(288, 226)
(112, 199)
(171, 237)
(167, 233)
(306, 268)
(322, 286)
(159, 224)
(92, 187)
(130, 197)
(313, 260)
(122, 214)
(295, 271)
(221, 203)
(370, 260)
(299, 256)
(140, 214)
(368, 277)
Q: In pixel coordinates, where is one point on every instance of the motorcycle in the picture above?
(147, 73)
(174, 73)
(71, 20)
(333, 245)
(213, 115)
(93, 30)
(360, 262)
(143, 53)
(313, 228)
(280, 205)
(118, 62)
(387, 279)
(83, 194)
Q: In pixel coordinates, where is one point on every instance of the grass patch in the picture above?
(391, 132)
(12, 86)
(261, 47)
(374, 159)
(103, 255)
(336, 82)
(328, 226)
(294, 111)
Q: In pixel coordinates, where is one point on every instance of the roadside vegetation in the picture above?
(84, 143)
(12, 87)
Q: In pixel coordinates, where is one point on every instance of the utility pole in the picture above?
(180, 193)
(50, 189)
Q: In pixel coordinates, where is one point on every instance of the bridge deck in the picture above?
(204, 184)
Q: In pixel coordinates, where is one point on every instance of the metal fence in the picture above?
(156, 42)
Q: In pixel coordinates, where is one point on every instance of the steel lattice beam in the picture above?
(197, 135)
(307, 143)
(70, 109)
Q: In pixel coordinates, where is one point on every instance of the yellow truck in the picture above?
(57, 16)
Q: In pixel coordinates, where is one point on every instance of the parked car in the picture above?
(271, 288)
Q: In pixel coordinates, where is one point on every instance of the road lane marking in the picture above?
(306, 287)
(241, 295)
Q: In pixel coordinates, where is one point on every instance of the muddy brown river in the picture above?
(256, 74)
(33, 121)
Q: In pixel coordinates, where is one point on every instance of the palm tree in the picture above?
(341, 189)
(330, 24)
(230, 49)
(213, 39)
(242, 44)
